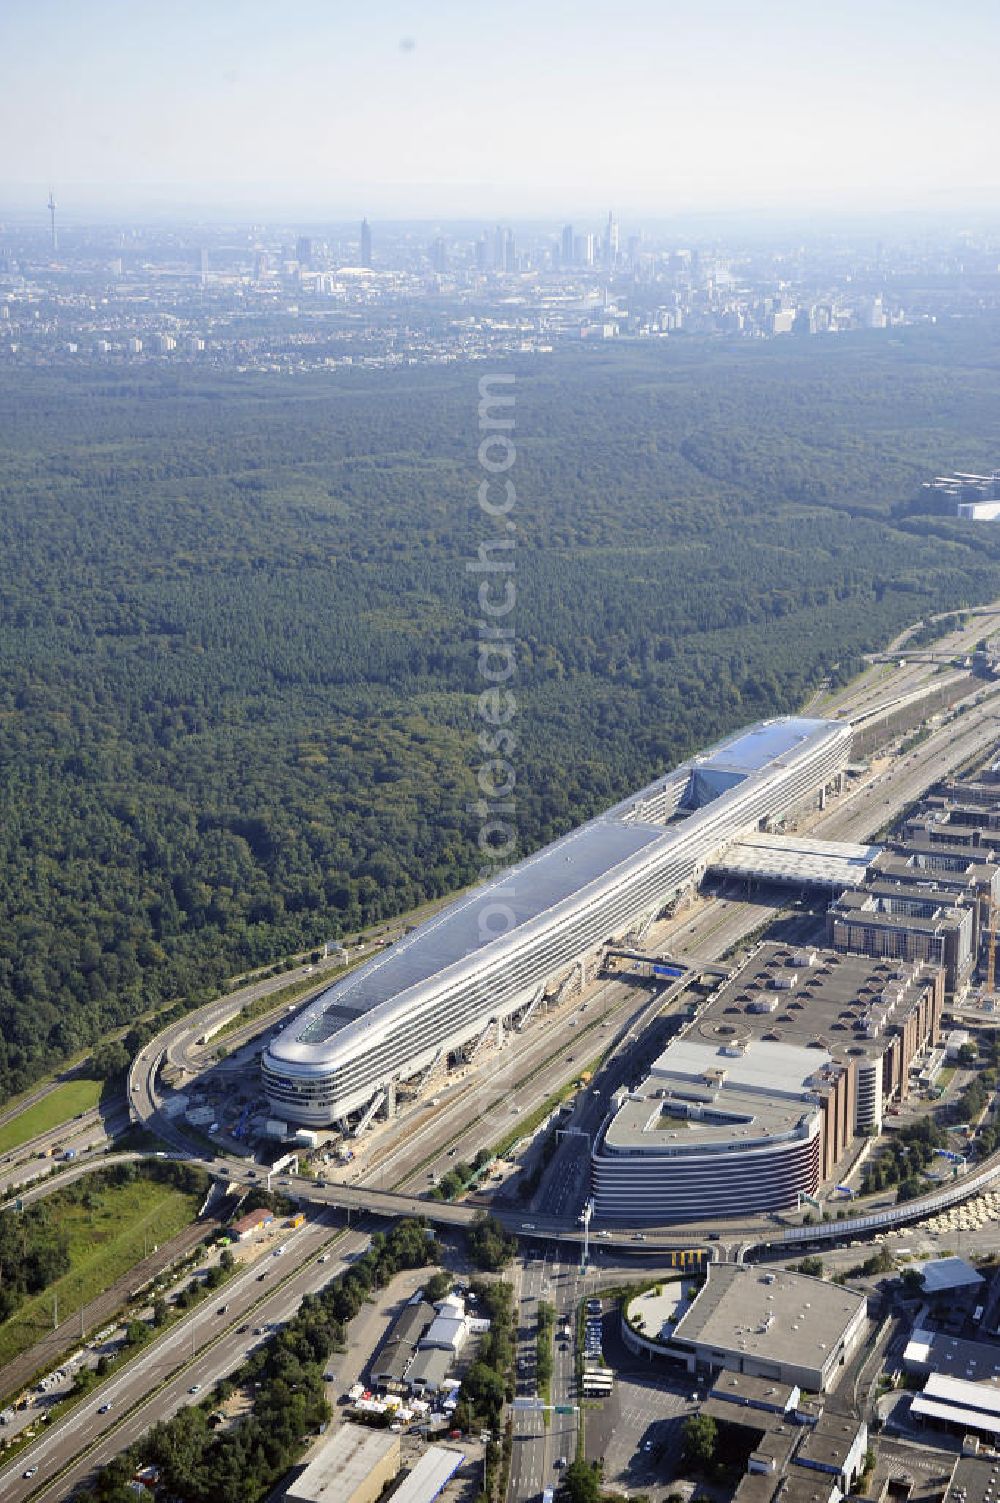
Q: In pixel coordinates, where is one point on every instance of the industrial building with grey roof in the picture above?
(770, 1323)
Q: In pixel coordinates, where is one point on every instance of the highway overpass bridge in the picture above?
(760, 1238)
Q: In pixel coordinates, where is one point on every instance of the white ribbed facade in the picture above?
(704, 1181)
(440, 987)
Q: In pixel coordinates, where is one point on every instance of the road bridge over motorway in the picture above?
(743, 1242)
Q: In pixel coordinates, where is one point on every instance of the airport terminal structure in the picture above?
(491, 955)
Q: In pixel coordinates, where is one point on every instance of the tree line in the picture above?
(202, 1463)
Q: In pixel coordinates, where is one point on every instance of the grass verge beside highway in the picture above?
(110, 1228)
(60, 1105)
(273, 1002)
(544, 1354)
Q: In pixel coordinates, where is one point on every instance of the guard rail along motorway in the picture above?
(899, 1215)
(393, 1203)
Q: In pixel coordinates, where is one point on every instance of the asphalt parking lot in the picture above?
(637, 1430)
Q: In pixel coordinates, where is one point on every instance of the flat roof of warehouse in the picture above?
(347, 1458)
(435, 1468)
(797, 858)
(954, 1414)
(769, 1313)
(953, 1357)
(942, 1274)
(962, 1392)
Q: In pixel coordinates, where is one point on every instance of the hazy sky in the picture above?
(452, 107)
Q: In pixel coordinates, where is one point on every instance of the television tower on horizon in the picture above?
(52, 217)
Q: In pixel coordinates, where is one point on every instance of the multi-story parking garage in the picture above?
(487, 956)
(794, 1057)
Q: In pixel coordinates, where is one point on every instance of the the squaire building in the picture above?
(440, 987)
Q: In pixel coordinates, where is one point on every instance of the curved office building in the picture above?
(485, 956)
(714, 1132)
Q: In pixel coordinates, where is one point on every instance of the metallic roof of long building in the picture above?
(561, 874)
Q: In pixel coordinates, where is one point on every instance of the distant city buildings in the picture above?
(279, 299)
(439, 255)
(567, 246)
(610, 248)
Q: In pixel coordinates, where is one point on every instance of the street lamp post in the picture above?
(585, 1217)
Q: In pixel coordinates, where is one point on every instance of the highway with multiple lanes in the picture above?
(475, 1110)
(198, 1350)
(542, 1441)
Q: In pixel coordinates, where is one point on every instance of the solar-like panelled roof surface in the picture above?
(554, 876)
(761, 745)
(539, 883)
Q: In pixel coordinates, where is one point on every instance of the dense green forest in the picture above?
(239, 650)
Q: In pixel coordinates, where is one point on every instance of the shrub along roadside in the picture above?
(285, 1377)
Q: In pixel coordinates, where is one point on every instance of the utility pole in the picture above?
(55, 1309)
